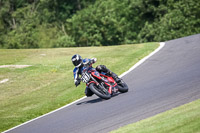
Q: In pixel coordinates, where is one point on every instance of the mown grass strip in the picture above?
(183, 119)
(48, 83)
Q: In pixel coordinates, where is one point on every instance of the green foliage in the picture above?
(116, 22)
(182, 19)
(47, 36)
(36, 23)
(104, 23)
(65, 41)
(61, 23)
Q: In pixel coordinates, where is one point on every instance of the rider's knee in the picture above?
(101, 68)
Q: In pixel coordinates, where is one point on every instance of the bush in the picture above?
(33, 24)
(182, 19)
(21, 38)
(65, 41)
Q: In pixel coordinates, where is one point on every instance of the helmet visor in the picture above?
(77, 62)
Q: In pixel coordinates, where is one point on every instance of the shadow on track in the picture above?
(91, 101)
(96, 100)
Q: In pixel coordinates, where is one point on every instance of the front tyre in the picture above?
(123, 87)
(100, 91)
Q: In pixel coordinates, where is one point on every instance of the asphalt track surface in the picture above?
(166, 80)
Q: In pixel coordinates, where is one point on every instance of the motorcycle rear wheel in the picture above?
(101, 92)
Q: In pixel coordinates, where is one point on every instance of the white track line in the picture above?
(162, 44)
(44, 115)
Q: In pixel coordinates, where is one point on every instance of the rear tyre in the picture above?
(100, 91)
(123, 87)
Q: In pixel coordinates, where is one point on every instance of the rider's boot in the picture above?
(115, 77)
(88, 92)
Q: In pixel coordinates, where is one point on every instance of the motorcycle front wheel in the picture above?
(102, 92)
(123, 87)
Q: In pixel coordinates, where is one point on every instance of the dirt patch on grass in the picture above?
(14, 66)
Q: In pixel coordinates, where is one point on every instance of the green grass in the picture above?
(183, 119)
(48, 84)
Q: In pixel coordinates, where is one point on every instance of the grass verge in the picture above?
(48, 83)
(183, 119)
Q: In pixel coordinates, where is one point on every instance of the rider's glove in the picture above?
(77, 82)
(94, 60)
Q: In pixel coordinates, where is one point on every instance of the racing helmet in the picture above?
(77, 60)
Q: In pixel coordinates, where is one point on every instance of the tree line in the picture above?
(73, 23)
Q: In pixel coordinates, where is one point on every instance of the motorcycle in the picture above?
(101, 84)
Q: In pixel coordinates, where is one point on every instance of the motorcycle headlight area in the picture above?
(85, 77)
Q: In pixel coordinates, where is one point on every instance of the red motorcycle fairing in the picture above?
(96, 74)
(90, 83)
(109, 81)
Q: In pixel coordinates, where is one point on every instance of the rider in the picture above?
(79, 63)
